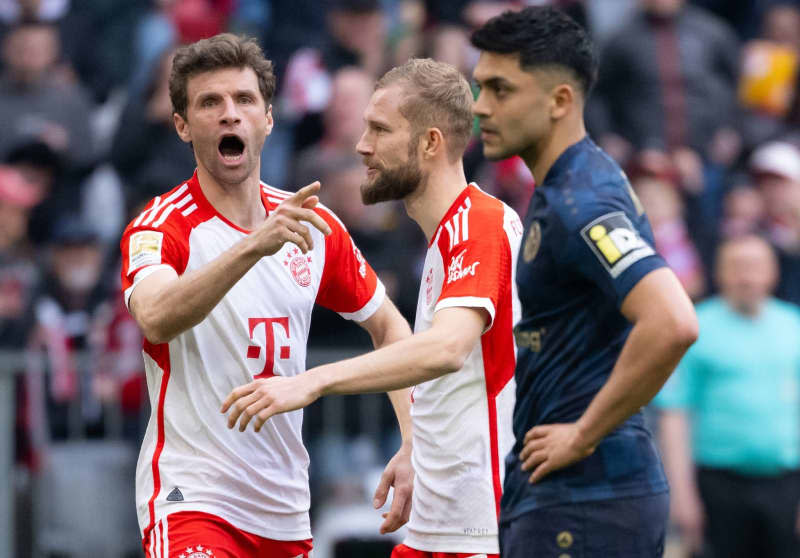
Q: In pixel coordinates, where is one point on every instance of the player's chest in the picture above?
(285, 280)
(540, 277)
(433, 279)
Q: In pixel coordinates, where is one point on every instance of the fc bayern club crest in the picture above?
(198, 551)
(297, 262)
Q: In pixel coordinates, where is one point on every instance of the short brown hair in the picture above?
(218, 52)
(438, 96)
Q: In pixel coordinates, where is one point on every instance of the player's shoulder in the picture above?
(171, 211)
(486, 211)
(591, 193)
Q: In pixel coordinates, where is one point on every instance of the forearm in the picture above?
(401, 401)
(648, 357)
(397, 330)
(406, 363)
(184, 302)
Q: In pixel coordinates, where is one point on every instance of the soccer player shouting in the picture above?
(461, 357)
(221, 273)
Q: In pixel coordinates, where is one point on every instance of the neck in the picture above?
(240, 203)
(748, 310)
(434, 197)
(541, 157)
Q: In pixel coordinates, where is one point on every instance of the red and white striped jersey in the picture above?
(189, 460)
(462, 421)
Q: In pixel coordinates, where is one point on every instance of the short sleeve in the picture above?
(349, 285)
(613, 249)
(476, 268)
(146, 250)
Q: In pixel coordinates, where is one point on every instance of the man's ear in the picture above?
(562, 99)
(270, 121)
(431, 142)
(182, 127)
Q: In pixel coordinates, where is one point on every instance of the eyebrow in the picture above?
(210, 94)
(376, 122)
(493, 81)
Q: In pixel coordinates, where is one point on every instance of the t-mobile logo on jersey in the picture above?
(457, 270)
(254, 351)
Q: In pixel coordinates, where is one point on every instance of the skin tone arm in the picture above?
(686, 508)
(387, 326)
(664, 327)
(158, 302)
(440, 350)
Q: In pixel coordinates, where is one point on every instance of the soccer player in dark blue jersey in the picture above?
(604, 320)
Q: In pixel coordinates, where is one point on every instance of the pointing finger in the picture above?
(299, 198)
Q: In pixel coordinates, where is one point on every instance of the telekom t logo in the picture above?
(254, 351)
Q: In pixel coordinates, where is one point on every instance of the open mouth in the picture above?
(231, 148)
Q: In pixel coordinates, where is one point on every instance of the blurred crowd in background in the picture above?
(699, 100)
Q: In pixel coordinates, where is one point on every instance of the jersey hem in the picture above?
(141, 274)
(277, 534)
(453, 544)
(468, 302)
(616, 494)
(370, 307)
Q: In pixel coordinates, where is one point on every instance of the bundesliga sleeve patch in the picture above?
(145, 249)
(615, 242)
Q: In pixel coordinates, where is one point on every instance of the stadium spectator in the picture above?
(769, 75)
(38, 101)
(665, 208)
(351, 88)
(730, 421)
(65, 311)
(18, 270)
(680, 102)
(775, 168)
(146, 151)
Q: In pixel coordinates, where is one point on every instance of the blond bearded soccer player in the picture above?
(221, 273)
(461, 357)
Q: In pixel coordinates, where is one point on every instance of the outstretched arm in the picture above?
(440, 350)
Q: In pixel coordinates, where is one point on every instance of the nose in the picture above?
(480, 107)
(363, 147)
(229, 113)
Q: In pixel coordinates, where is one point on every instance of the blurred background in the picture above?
(697, 99)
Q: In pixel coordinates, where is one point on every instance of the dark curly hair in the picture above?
(543, 37)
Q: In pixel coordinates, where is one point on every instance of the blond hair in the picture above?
(437, 96)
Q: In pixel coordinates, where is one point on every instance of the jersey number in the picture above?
(254, 351)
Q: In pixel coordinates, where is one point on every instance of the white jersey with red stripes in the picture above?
(462, 421)
(190, 460)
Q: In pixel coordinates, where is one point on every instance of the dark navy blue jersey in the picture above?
(587, 242)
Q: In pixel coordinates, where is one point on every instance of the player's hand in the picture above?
(400, 474)
(265, 397)
(549, 447)
(285, 223)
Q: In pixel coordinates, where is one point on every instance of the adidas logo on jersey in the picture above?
(456, 270)
(175, 495)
